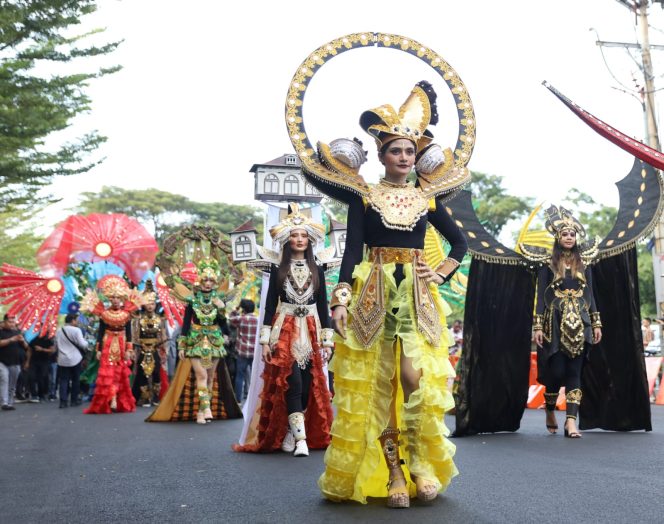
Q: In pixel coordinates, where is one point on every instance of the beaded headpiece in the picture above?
(419, 111)
(208, 269)
(559, 219)
(296, 220)
(113, 286)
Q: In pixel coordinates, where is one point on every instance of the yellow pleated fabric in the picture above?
(354, 465)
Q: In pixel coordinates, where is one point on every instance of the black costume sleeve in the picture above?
(353, 251)
(100, 335)
(542, 284)
(223, 324)
(589, 283)
(321, 302)
(442, 221)
(272, 297)
(186, 323)
(336, 192)
(128, 331)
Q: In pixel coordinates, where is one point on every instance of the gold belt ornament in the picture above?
(398, 255)
(368, 317)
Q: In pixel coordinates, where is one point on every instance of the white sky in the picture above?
(201, 96)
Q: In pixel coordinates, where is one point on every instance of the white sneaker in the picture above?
(301, 449)
(288, 445)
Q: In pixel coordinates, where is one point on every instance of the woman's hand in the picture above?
(428, 274)
(98, 355)
(597, 335)
(539, 337)
(181, 354)
(327, 353)
(340, 320)
(267, 353)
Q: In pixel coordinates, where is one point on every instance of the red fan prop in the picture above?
(97, 237)
(35, 299)
(173, 308)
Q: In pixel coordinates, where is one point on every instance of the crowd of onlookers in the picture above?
(49, 369)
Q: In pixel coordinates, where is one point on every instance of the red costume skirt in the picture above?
(113, 377)
(270, 421)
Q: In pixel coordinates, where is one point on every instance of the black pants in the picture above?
(65, 376)
(39, 378)
(299, 383)
(562, 370)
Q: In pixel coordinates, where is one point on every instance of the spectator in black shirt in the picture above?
(12, 348)
(43, 349)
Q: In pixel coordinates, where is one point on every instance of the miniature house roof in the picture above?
(247, 226)
(337, 226)
(293, 161)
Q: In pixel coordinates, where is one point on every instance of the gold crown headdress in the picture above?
(208, 269)
(113, 286)
(148, 295)
(559, 219)
(296, 220)
(411, 122)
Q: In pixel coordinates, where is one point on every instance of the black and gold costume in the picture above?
(150, 335)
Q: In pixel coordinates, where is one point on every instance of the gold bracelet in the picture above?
(538, 323)
(341, 295)
(446, 268)
(595, 320)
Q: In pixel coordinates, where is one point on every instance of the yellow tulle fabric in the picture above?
(354, 465)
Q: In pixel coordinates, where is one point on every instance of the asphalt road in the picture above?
(58, 465)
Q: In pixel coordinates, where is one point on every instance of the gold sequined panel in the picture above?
(115, 318)
(574, 396)
(369, 311)
(571, 324)
(400, 207)
(428, 320)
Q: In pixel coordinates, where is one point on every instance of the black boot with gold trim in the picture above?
(550, 400)
(397, 495)
(573, 398)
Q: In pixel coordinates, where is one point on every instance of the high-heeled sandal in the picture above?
(200, 418)
(426, 489)
(550, 400)
(572, 434)
(397, 496)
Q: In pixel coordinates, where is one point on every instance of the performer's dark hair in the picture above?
(284, 266)
(70, 317)
(247, 305)
(558, 264)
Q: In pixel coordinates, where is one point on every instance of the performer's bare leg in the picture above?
(201, 389)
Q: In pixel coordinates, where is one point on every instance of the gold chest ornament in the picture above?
(400, 206)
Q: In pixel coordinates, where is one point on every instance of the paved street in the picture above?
(58, 465)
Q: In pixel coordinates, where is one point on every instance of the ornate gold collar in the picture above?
(399, 206)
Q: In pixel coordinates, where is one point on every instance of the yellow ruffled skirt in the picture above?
(354, 464)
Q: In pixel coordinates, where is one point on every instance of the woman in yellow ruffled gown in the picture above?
(391, 359)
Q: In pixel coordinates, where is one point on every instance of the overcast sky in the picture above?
(201, 96)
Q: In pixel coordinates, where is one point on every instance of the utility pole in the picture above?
(640, 10)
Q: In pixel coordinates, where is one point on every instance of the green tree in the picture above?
(150, 206)
(493, 206)
(167, 212)
(18, 240)
(40, 96)
(646, 282)
(597, 219)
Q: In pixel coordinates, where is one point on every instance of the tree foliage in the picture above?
(40, 96)
(166, 212)
(18, 240)
(493, 206)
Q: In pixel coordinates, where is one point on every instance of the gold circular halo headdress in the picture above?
(463, 148)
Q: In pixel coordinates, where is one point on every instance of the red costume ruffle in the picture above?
(273, 419)
(112, 379)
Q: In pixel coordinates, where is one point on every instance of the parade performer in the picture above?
(296, 339)
(114, 347)
(150, 342)
(201, 348)
(391, 356)
(566, 319)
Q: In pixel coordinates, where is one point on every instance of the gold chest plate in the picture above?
(400, 207)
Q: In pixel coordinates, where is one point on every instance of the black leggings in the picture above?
(299, 383)
(563, 371)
